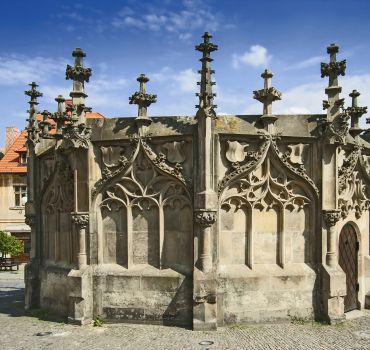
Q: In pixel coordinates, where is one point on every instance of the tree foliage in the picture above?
(10, 245)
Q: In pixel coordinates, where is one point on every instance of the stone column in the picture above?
(334, 131)
(205, 201)
(205, 219)
(81, 220)
(31, 275)
(206, 197)
(331, 217)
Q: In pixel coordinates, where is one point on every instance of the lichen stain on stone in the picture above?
(228, 123)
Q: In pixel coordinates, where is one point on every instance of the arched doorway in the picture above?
(348, 261)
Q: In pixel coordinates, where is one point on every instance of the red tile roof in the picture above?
(10, 162)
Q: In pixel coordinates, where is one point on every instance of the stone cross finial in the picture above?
(61, 116)
(45, 125)
(33, 94)
(143, 100)
(206, 94)
(355, 112)
(332, 70)
(33, 128)
(142, 79)
(267, 75)
(268, 94)
(60, 100)
(79, 74)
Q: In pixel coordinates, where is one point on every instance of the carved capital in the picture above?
(205, 218)
(331, 216)
(80, 219)
(30, 220)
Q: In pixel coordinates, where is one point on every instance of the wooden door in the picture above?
(348, 260)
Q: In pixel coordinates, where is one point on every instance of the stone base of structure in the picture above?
(266, 294)
(333, 292)
(204, 301)
(235, 294)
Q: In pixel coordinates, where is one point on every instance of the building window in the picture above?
(23, 158)
(20, 195)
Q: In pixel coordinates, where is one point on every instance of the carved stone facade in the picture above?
(201, 221)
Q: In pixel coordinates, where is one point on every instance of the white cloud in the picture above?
(300, 99)
(107, 84)
(164, 74)
(183, 81)
(103, 91)
(256, 56)
(185, 36)
(187, 80)
(306, 63)
(155, 22)
(128, 21)
(307, 98)
(102, 94)
(17, 69)
(194, 15)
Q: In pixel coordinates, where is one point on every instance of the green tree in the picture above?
(10, 245)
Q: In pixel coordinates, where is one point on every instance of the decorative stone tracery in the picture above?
(261, 185)
(352, 191)
(146, 185)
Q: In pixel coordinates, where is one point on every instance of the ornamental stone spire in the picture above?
(60, 117)
(355, 112)
(33, 128)
(45, 125)
(332, 70)
(79, 74)
(206, 95)
(143, 100)
(267, 96)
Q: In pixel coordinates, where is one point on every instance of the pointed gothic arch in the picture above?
(138, 213)
(257, 202)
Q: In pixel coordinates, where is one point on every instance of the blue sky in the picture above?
(125, 38)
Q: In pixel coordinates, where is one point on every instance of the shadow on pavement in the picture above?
(12, 299)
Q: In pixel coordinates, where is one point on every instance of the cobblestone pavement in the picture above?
(18, 331)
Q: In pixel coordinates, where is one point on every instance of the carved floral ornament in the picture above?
(352, 190)
(205, 218)
(77, 137)
(331, 217)
(80, 219)
(243, 162)
(122, 164)
(334, 131)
